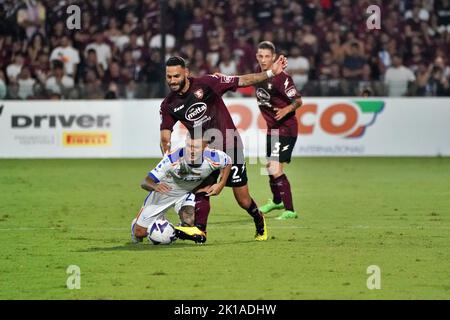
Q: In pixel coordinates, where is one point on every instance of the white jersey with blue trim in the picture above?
(174, 170)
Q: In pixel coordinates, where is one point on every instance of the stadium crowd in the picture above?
(116, 52)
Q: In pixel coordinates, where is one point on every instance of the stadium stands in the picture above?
(116, 52)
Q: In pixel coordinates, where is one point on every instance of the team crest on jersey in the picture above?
(198, 93)
(291, 92)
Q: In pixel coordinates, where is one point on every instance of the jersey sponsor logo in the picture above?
(86, 139)
(262, 95)
(286, 83)
(198, 93)
(178, 108)
(196, 111)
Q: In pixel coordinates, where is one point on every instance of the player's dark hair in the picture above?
(176, 61)
(267, 45)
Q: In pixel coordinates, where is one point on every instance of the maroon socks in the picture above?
(202, 207)
(281, 189)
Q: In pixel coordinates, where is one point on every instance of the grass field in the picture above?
(354, 212)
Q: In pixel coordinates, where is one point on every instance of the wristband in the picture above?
(270, 73)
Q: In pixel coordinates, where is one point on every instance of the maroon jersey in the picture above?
(278, 92)
(202, 106)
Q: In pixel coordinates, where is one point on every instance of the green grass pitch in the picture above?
(354, 212)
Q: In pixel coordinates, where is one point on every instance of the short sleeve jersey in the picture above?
(174, 170)
(278, 92)
(202, 107)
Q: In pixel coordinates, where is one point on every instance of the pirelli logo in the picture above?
(86, 139)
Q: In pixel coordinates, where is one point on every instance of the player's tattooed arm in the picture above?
(282, 112)
(165, 141)
(253, 78)
(216, 188)
(150, 185)
(297, 103)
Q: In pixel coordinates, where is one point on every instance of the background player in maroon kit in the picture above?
(278, 99)
(198, 104)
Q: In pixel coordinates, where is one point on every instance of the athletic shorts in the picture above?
(238, 173)
(279, 148)
(156, 205)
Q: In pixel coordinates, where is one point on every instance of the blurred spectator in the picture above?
(353, 63)
(324, 68)
(114, 75)
(39, 92)
(334, 86)
(227, 65)
(422, 77)
(92, 85)
(59, 83)
(13, 91)
(115, 34)
(13, 70)
(366, 85)
(102, 49)
(25, 83)
(131, 90)
(90, 63)
(199, 66)
(398, 78)
(298, 67)
(442, 8)
(36, 46)
(41, 67)
(2, 86)
(112, 92)
(68, 55)
(31, 16)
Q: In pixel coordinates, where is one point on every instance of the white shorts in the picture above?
(156, 205)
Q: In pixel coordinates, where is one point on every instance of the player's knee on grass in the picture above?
(187, 216)
(275, 169)
(139, 231)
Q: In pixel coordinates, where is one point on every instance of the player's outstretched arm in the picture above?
(165, 141)
(254, 78)
(215, 189)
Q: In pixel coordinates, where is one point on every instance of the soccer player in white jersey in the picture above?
(171, 183)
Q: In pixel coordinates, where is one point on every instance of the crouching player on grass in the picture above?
(171, 184)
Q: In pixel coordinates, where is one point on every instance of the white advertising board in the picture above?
(130, 129)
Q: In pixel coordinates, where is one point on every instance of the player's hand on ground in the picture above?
(214, 190)
(279, 65)
(162, 187)
(282, 112)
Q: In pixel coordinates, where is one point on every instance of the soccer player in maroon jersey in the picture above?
(278, 99)
(198, 104)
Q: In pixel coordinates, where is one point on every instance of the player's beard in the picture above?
(181, 85)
